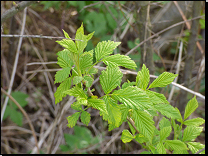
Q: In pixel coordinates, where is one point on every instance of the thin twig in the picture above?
(25, 114)
(39, 36)
(160, 32)
(15, 65)
(177, 70)
(134, 73)
(200, 150)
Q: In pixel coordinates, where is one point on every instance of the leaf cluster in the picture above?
(138, 104)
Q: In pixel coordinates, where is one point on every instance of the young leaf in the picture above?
(143, 78)
(114, 113)
(89, 36)
(126, 136)
(68, 43)
(164, 123)
(85, 117)
(98, 104)
(88, 80)
(124, 111)
(168, 110)
(176, 145)
(105, 48)
(156, 98)
(61, 75)
(16, 117)
(132, 97)
(194, 122)
(86, 60)
(191, 132)
(64, 59)
(72, 120)
(195, 146)
(144, 123)
(76, 106)
(81, 39)
(165, 132)
(110, 79)
(141, 138)
(76, 92)
(163, 80)
(77, 79)
(59, 94)
(191, 106)
(126, 84)
(161, 148)
(120, 60)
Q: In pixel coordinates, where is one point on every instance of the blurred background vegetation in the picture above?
(129, 22)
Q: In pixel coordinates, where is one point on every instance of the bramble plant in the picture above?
(138, 104)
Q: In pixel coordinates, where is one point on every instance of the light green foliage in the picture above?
(12, 109)
(132, 97)
(163, 80)
(190, 107)
(105, 48)
(85, 117)
(143, 78)
(120, 60)
(144, 123)
(110, 79)
(137, 103)
(126, 136)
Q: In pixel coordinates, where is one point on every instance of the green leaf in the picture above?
(114, 113)
(141, 138)
(85, 117)
(143, 78)
(120, 60)
(89, 36)
(144, 123)
(61, 75)
(110, 79)
(163, 80)
(105, 48)
(195, 146)
(76, 92)
(20, 97)
(72, 120)
(177, 145)
(161, 148)
(156, 98)
(191, 106)
(7, 112)
(93, 70)
(191, 132)
(68, 43)
(16, 117)
(88, 80)
(98, 104)
(194, 122)
(126, 136)
(126, 84)
(76, 106)
(86, 60)
(59, 94)
(164, 123)
(124, 111)
(64, 148)
(167, 110)
(165, 132)
(77, 79)
(64, 59)
(80, 36)
(132, 97)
